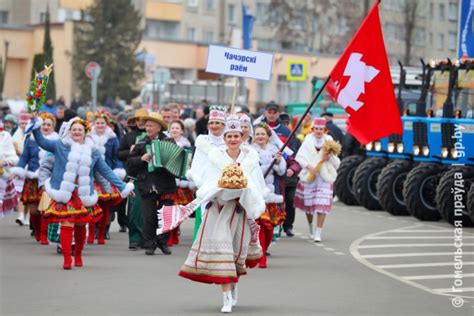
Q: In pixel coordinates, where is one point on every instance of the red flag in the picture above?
(364, 85)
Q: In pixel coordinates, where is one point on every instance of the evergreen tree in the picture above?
(48, 57)
(110, 39)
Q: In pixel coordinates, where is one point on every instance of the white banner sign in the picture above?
(239, 62)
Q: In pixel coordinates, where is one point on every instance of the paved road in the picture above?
(369, 263)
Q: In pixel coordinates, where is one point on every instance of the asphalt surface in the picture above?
(369, 263)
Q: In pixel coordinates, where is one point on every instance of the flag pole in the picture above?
(316, 96)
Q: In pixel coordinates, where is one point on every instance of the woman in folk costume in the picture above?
(71, 186)
(8, 159)
(204, 143)
(274, 213)
(18, 139)
(32, 157)
(185, 191)
(107, 144)
(234, 194)
(314, 193)
(247, 128)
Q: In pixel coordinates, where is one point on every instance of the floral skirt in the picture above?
(8, 196)
(274, 215)
(114, 197)
(31, 193)
(72, 211)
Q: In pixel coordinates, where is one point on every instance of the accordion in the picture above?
(170, 156)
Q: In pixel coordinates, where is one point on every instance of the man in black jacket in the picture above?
(127, 142)
(156, 188)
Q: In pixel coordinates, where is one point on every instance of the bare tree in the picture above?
(410, 11)
(323, 25)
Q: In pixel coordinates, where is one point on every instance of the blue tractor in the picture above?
(385, 159)
(427, 188)
(457, 152)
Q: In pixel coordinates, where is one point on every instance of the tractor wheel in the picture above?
(419, 191)
(470, 202)
(345, 174)
(390, 186)
(365, 182)
(452, 203)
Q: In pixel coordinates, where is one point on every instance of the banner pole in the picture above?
(236, 84)
(316, 96)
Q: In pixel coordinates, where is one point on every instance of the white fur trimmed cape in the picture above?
(308, 156)
(73, 167)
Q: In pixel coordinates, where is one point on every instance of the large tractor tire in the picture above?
(390, 187)
(345, 175)
(470, 202)
(419, 191)
(453, 189)
(365, 182)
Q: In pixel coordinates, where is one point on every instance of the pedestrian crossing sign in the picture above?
(296, 70)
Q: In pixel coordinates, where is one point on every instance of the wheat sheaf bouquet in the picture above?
(332, 149)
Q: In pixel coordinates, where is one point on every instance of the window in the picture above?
(3, 17)
(162, 29)
(191, 34)
(441, 11)
(440, 41)
(452, 41)
(419, 37)
(42, 17)
(431, 10)
(210, 5)
(453, 11)
(430, 39)
(192, 3)
(261, 14)
(231, 13)
(209, 36)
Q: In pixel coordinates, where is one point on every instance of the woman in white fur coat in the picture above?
(27, 169)
(315, 197)
(8, 159)
(107, 144)
(71, 186)
(274, 213)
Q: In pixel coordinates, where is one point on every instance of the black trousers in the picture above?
(121, 213)
(289, 208)
(150, 220)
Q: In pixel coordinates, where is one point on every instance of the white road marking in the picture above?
(422, 265)
(339, 253)
(417, 237)
(411, 245)
(437, 276)
(329, 249)
(354, 250)
(461, 290)
(414, 254)
(421, 231)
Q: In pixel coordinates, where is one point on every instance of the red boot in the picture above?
(90, 237)
(104, 220)
(35, 220)
(79, 238)
(65, 237)
(44, 232)
(262, 237)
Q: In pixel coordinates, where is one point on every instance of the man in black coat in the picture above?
(127, 142)
(333, 130)
(156, 188)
